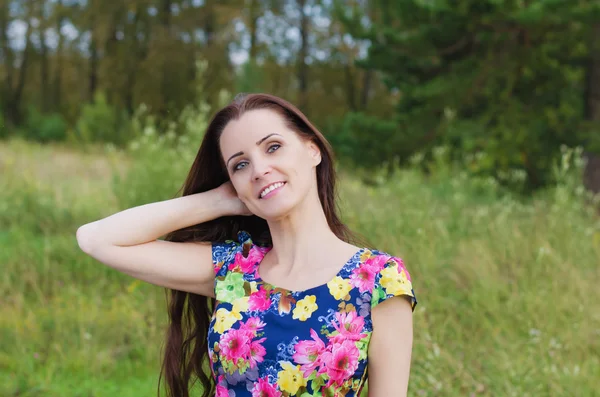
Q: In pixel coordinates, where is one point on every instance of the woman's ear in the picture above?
(315, 153)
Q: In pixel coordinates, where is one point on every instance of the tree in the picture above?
(7, 56)
(503, 79)
(145, 51)
(14, 107)
(592, 111)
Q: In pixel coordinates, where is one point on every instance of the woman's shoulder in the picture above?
(241, 251)
(379, 258)
(389, 275)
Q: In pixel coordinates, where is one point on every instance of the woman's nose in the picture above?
(260, 169)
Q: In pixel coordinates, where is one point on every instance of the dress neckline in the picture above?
(355, 257)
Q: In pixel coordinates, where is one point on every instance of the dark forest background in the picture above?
(502, 84)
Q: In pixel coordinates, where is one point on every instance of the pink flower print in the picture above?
(221, 390)
(308, 353)
(257, 352)
(363, 278)
(262, 250)
(259, 300)
(340, 363)
(264, 389)
(248, 264)
(349, 325)
(235, 344)
(377, 262)
(401, 267)
(252, 326)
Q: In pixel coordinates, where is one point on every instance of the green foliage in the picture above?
(101, 122)
(502, 79)
(251, 78)
(487, 258)
(161, 159)
(44, 127)
(32, 195)
(369, 142)
(27, 205)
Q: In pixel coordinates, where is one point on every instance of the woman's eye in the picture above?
(239, 166)
(242, 164)
(276, 146)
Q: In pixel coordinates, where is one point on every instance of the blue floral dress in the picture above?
(268, 341)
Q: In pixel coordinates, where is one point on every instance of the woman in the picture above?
(265, 282)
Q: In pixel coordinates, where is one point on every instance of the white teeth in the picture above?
(270, 188)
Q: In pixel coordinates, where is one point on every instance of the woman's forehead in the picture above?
(251, 127)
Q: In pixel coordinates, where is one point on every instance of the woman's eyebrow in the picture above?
(263, 139)
(257, 143)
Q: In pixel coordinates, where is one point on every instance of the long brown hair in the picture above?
(186, 349)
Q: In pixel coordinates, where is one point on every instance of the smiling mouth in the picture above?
(271, 188)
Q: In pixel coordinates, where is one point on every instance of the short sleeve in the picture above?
(393, 280)
(224, 253)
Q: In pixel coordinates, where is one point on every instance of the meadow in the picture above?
(509, 303)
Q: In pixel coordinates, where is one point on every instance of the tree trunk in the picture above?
(165, 21)
(302, 66)
(253, 22)
(15, 105)
(138, 52)
(213, 52)
(165, 13)
(8, 57)
(132, 64)
(591, 175)
(209, 23)
(350, 88)
(112, 58)
(44, 73)
(368, 73)
(57, 81)
(366, 89)
(93, 76)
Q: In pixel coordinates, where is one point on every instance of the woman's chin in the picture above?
(274, 212)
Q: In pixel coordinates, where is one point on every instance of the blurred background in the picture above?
(467, 136)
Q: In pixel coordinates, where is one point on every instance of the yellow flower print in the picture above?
(225, 319)
(398, 289)
(339, 287)
(395, 283)
(253, 286)
(305, 308)
(291, 378)
(390, 271)
(241, 304)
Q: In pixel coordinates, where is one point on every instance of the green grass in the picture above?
(509, 303)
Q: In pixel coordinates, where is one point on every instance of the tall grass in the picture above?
(509, 303)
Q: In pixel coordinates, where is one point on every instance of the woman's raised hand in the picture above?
(231, 201)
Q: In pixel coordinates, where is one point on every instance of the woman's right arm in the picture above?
(128, 240)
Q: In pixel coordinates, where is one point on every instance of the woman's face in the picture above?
(271, 168)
